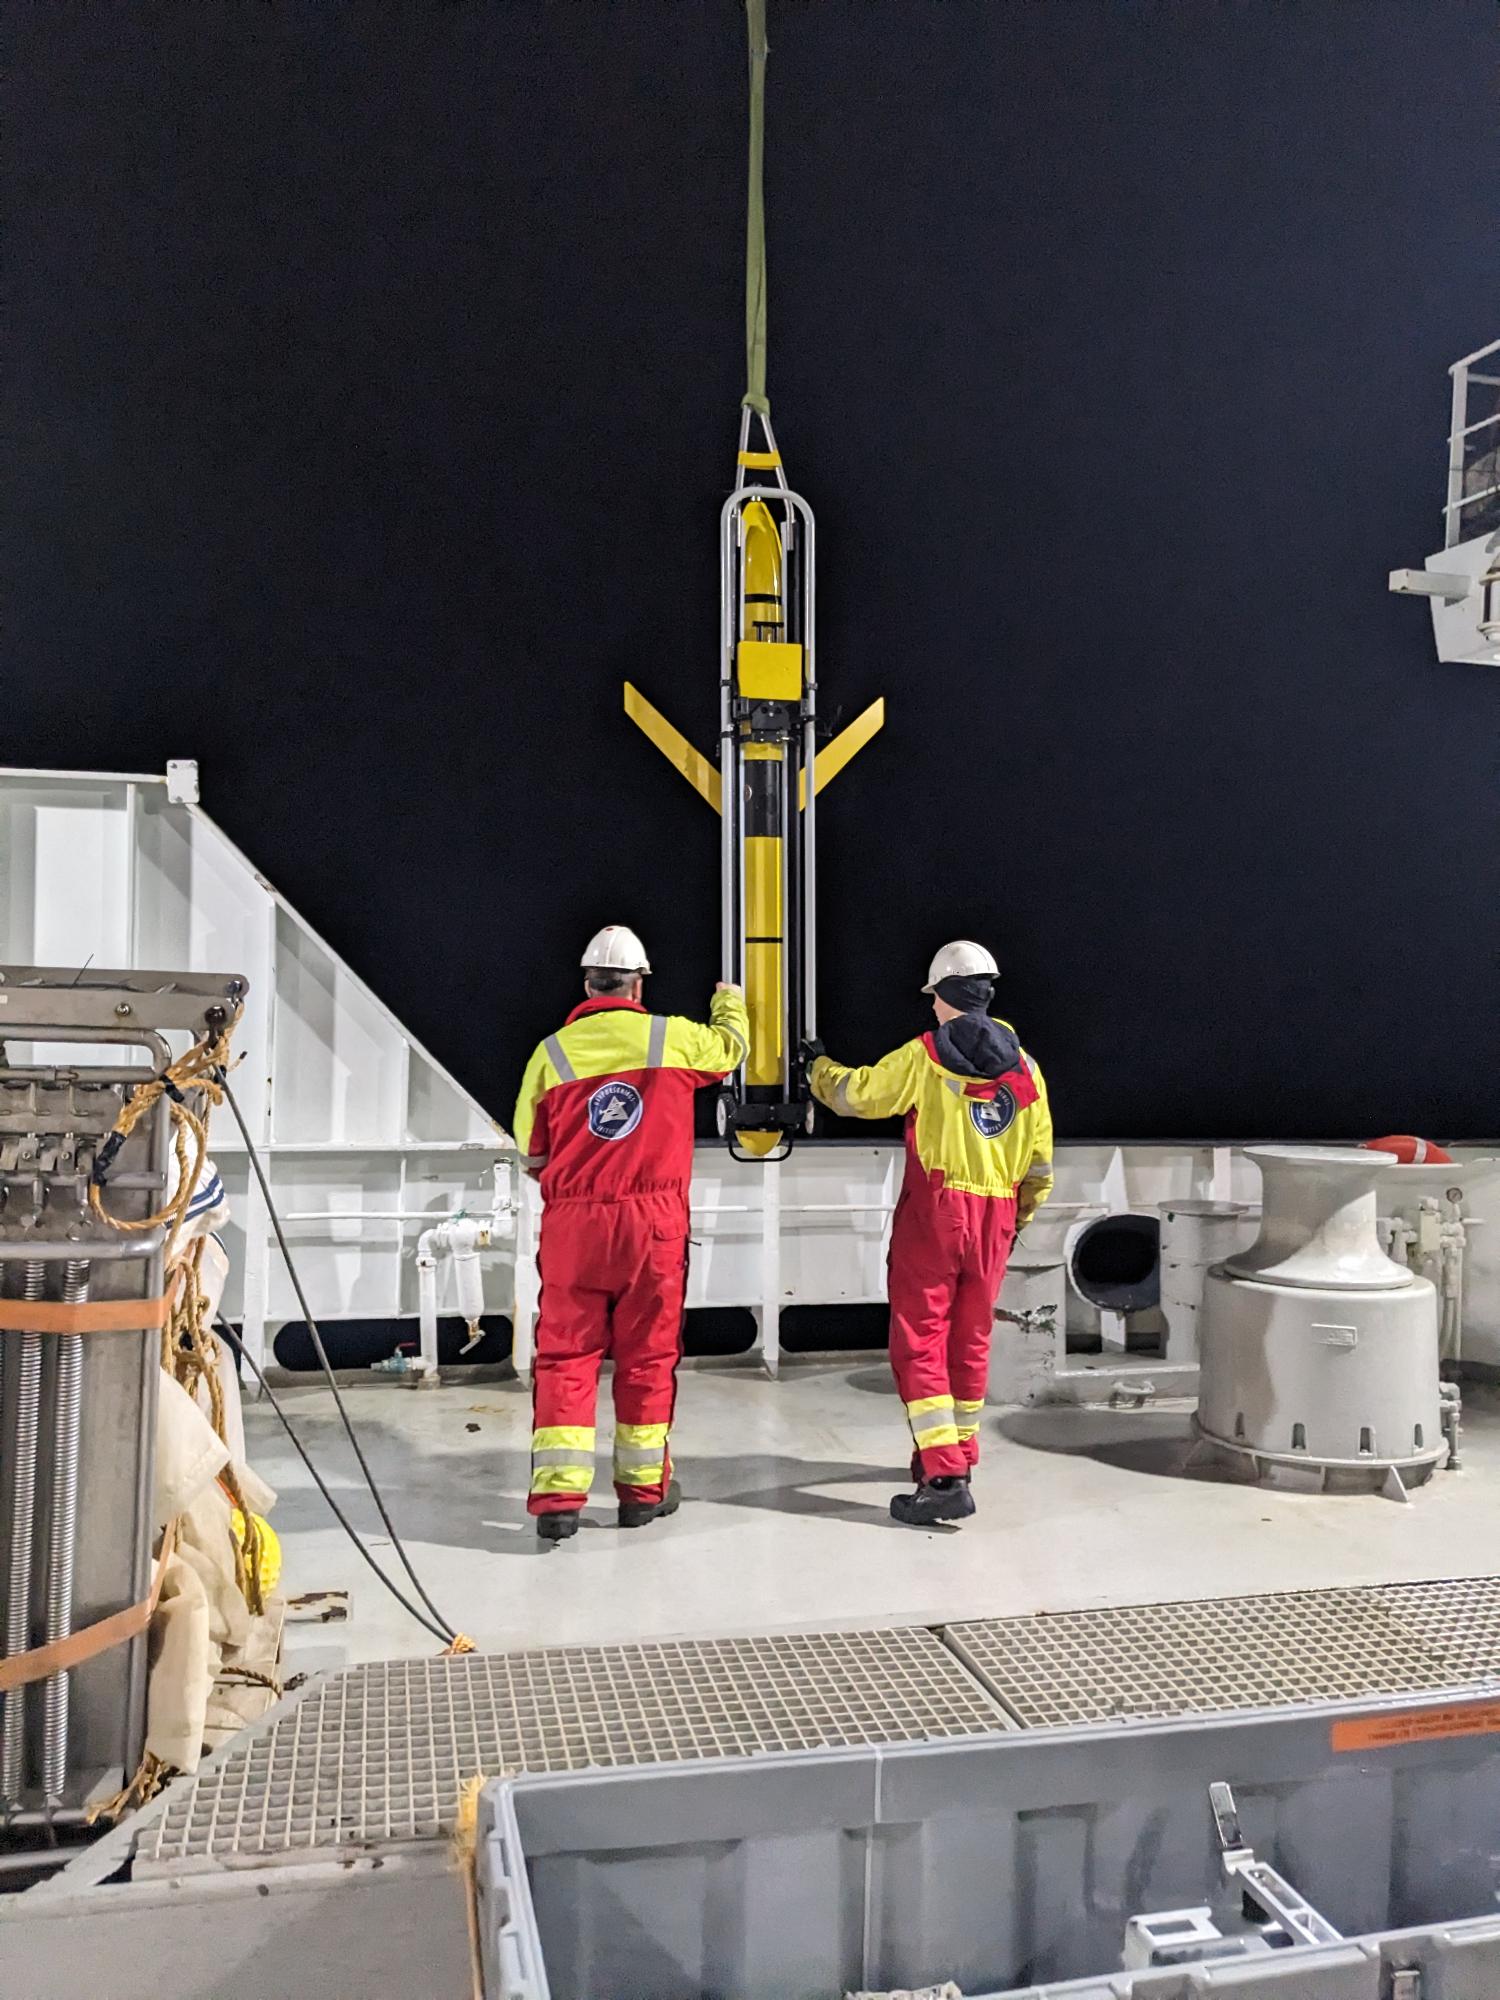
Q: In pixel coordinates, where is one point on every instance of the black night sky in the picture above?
(370, 382)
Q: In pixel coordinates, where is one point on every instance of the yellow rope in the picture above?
(465, 1857)
(230, 1676)
(189, 1351)
(197, 1070)
(150, 1776)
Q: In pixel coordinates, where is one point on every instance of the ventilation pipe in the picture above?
(463, 1239)
(1115, 1264)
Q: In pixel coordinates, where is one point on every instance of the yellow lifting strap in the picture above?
(755, 223)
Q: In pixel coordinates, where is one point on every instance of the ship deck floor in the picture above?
(784, 1524)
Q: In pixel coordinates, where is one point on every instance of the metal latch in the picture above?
(1270, 1901)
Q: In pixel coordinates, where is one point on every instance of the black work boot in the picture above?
(966, 1475)
(636, 1513)
(934, 1500)
(559, 1526)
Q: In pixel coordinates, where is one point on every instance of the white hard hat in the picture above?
(617, 949)
(961, 960)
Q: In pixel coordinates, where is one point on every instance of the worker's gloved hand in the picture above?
(725, 986)
(811, 1050)
(1028, 1201)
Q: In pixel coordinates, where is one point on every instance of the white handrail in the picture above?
(1478, 355)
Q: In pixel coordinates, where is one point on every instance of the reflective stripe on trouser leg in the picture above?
(641, 1456)
(931, 1420)
(926, 1258)
(646, 1340)
(562, 1461)
(966, 1423)
(572, 1336)
(971, 1318)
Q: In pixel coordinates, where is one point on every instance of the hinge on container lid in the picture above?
(1226, 1818)
(1406, 1985)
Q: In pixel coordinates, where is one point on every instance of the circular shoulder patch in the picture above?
(993, 1115)
(614, 1110)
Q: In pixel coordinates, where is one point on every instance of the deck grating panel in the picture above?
(1212, 1655)
(379, 1752)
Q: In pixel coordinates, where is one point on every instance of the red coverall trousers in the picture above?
(614, 1274)
(947, 1258)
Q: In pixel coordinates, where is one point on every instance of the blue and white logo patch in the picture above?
(995, 1115)
(614, 1110)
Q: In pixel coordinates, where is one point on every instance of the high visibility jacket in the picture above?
(971, 1133)
(606, 1104)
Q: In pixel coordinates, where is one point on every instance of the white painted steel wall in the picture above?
(349, 1111)
(815, 1229)
(810, 1230)
(367, 1138)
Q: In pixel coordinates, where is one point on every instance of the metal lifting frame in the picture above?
(79, 1550)
(767, 757)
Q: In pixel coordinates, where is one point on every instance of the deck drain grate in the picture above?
(378, 1753)
(1211, 1655)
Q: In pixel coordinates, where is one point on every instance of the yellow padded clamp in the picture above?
(769, 670)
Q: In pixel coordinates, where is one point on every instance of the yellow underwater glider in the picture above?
(767, 735)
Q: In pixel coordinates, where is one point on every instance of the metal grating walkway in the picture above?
(379, 1752)
(1214, 1654)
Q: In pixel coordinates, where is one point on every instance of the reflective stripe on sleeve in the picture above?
(656, 1042)
(558, 1060)
(1039, 1170)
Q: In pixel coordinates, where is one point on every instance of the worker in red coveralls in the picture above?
(978, 1161)
(605, 1123)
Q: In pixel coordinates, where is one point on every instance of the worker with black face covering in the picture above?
(978, 1162)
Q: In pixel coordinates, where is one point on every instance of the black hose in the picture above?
(322, 1353)
(228, 1333)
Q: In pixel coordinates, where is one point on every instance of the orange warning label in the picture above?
(1415, 1725)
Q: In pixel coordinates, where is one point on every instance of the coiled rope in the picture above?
(189, 1351)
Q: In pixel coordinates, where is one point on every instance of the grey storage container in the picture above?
(1002, 1862)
